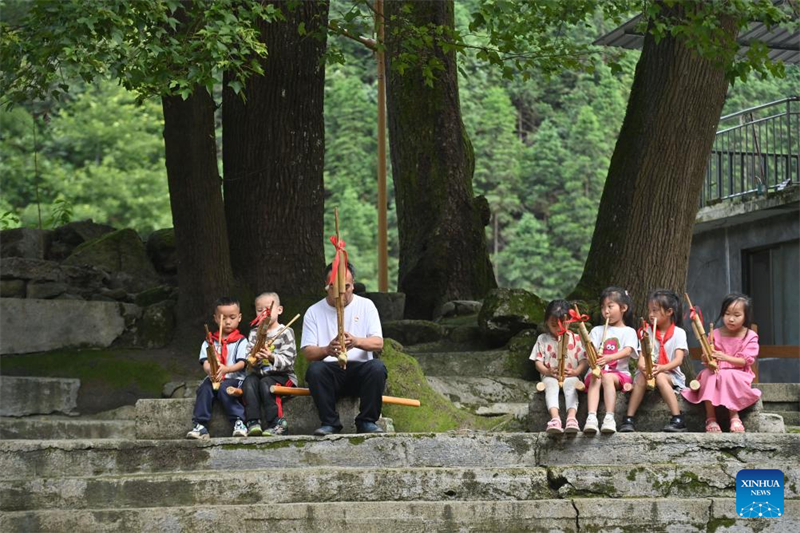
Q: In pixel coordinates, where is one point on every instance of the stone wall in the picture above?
(108, 281)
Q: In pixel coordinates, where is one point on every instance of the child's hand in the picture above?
(573, 373)
(207, 368)
(657, 370)
(264, 353)
(640, 365)
(720, 356)
(603, 360)
(221, 371)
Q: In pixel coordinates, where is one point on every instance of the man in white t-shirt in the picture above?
(365, 376)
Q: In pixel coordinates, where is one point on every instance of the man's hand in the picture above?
(333, 348)
(351, 341)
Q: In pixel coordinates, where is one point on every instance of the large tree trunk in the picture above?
(201, 239)
(274, 146)
(443, 253)
(644, 224)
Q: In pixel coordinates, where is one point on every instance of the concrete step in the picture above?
(465, 364)
(473, 392)
(24, 459)
(172, 418)
(373, 484)
(653, 414)
(23, 396)
(580, 514)
(53, 427)
(790, 418)
(780, 393)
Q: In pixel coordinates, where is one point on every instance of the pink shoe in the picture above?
(554, 427)
(572, 426)
(712, 426)
(737, 426)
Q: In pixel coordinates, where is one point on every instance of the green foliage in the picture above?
(100, 156)
(155, 47)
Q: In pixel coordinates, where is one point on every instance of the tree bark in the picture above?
(274, 146)
(643, 232)
(201, 238)
(443, 253)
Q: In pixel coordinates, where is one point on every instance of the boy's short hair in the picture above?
(226, 300)
(273, 295)
(350, 267)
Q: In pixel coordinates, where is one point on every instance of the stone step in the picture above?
(465, 364)
(23, 459)
(580, 514)
(301, 485)
(23, 396)
(790, 418)
(473, 392)
(52, 427)
(653, 414)
(780, 393)
(172, 418)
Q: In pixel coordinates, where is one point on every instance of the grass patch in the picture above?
(436, 413)
(118, 369)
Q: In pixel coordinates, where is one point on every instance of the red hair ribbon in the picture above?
(339, 245)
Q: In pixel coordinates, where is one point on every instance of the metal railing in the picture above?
(755, 151)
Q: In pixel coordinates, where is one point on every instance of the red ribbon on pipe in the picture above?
(339, 245)
(260, 318)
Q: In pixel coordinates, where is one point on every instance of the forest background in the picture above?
(542, 150)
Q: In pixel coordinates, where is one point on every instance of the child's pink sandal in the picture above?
(554, 427)
(737, 426)
(572, 426)
(712, 426)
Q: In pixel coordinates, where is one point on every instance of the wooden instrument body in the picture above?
(213, 360)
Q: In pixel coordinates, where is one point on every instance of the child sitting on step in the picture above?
(735, 348)
(669, 347)
(617, 343)
(545, 355)
(232, 353)
(274, 366)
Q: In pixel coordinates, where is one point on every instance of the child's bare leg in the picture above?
(593, 395)
(664, 384)
(639, 387)
(711, 412)
(571, 413)
(610, 382)
(553, 412)
(734, 414)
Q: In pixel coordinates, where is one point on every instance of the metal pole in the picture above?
(383, 253)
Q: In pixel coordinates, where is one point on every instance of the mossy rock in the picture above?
(506, 312)
(161, 250)
(155, 295)
(120, 252)
(518, 363)
(409, 332)
(436, 413)
(157, 325)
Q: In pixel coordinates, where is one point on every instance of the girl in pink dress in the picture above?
(735, 350)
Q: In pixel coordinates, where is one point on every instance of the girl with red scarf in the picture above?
(669, 348)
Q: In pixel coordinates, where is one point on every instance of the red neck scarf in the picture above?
(662, 352)
(233, 337)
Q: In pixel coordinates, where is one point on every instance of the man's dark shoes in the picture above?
(369, 427)
(326, 430)
(627, 425)
(676, 424)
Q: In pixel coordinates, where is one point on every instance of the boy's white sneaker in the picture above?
(590, 427)
(609, 424)
(239, 429)
(199, 432)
